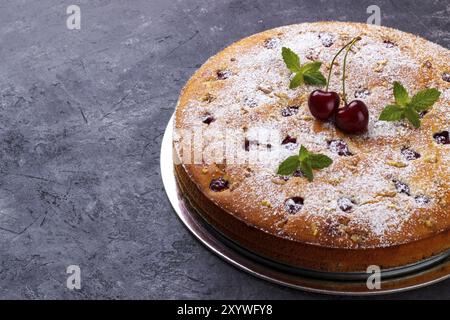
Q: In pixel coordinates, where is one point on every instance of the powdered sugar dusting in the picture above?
(250, 101)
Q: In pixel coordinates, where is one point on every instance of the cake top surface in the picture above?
(237, 120)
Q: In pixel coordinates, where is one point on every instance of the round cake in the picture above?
(384, 200)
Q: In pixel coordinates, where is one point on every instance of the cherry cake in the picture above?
(384, 200)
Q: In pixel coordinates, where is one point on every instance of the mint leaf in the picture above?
(307, 162)
(310, 67)
(409, 107)
(303, 153)
(400, 94)
(392, 113)
(319, 161)
(288, 166)
(314, 78)
(308, 73)
(424, 99)
(291, 59)
(296, 81)
(412, 116)
(306, 169)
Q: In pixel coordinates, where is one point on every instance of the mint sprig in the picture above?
(409, 107)
(306, 161)
(308, 73)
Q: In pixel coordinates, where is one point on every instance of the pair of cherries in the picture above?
(324, 105)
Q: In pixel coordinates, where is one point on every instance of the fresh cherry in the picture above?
(353, 118)
(323, 104)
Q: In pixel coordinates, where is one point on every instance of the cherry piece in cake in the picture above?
(223, 74)
(446, 76)
(326, 39)
(345, 204)
(401, 187)
(422, 113)
(246, 144)
(250, 102)
(271, 43)
(441, 137)
(207, 118)
(289, 139)
(410, 154)
(340, 147)
(293, 205)
(389, 44)
(362, 93)
(298, 173)
(289, 111)
(421, 199)
(219, 184)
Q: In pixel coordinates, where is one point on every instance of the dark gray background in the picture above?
(81, 121)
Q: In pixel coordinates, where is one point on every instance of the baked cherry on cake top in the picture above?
(352, 197)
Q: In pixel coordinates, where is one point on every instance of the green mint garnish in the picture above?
(308, 73)
(400, 94)
(288, 166)
(409, 108)
(306, 161)
(291, 59)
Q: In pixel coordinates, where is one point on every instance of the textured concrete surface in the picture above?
(82, 113)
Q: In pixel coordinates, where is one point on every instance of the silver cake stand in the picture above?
(401, 279)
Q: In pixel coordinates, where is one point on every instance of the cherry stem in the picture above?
(334, 59)
(349, 46)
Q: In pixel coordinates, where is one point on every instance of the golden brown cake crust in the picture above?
(245, 86)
